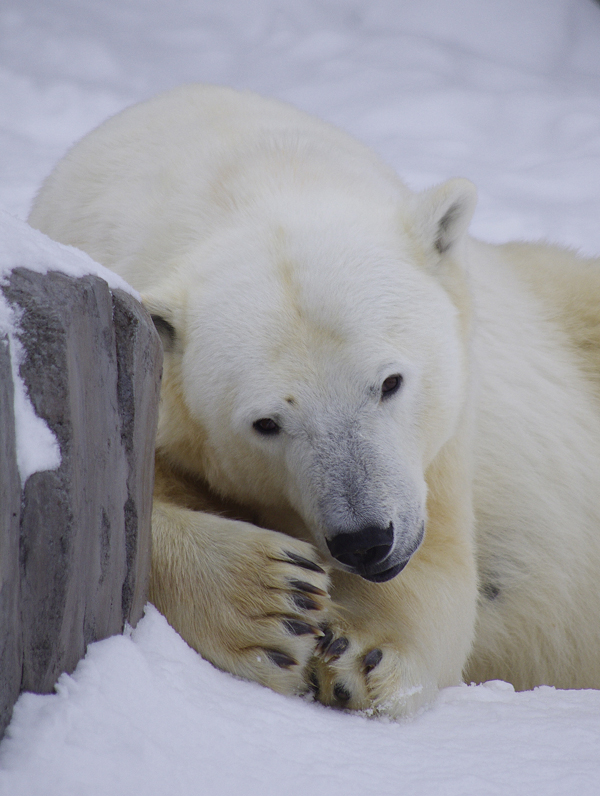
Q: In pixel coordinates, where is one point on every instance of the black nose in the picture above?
(362, 550)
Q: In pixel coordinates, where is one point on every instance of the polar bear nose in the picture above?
(363, 550)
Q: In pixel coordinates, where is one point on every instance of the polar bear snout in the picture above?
(369, 552)
(363, 501)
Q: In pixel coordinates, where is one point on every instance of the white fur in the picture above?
(299, 273)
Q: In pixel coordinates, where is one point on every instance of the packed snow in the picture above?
(143, 714)
(504, 92)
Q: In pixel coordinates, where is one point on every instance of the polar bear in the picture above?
(378, 453)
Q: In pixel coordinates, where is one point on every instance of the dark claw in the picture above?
(298, 628)
(305, 603)
(371, 660)
(300, 561)
(336, 649)
(302, 585)
(281, 659)
(325, 640)
(341, 694)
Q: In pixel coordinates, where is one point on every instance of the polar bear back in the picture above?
(172, 167)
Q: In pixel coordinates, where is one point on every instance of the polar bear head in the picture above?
(316, 363)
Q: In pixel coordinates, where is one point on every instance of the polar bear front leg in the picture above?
(396, 643)
(248, 600)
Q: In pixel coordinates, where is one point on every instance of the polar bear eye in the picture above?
(266, 425)
(391, 385)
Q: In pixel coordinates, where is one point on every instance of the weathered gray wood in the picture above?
(11, 649)
(92, 371)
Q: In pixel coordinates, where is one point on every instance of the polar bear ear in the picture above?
(443, 214)
(164, 321)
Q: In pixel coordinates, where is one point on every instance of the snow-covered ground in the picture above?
(505, 92)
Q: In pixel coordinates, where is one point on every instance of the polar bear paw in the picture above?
(270, 616)
(347, 673)
(249, 600)
(287, 628)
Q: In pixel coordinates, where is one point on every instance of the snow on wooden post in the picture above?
(80, 370)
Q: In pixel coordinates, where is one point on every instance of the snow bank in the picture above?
(145, 714)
